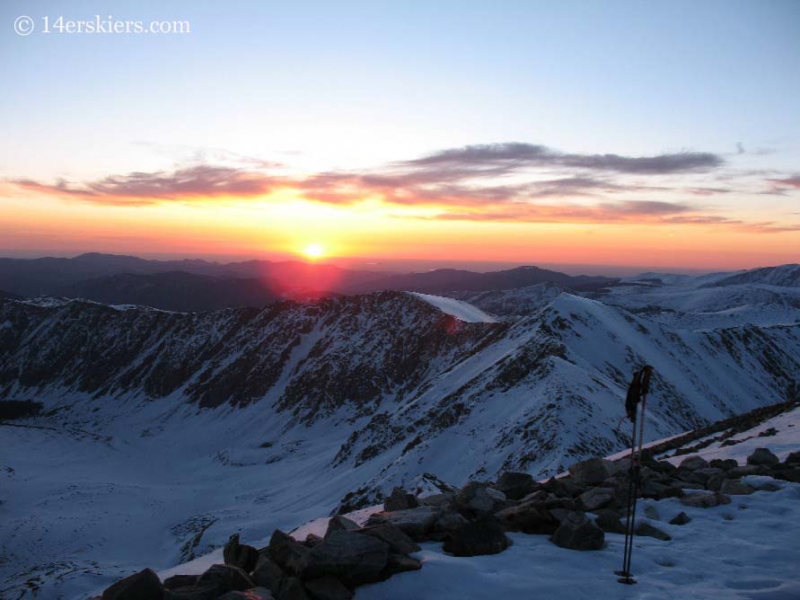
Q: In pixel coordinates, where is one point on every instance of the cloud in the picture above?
(505, 182)
(139, 188)
(496, 159)
(787, 182)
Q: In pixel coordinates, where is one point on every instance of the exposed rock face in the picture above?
(289, 554)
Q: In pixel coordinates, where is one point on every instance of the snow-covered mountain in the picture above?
(173, 429)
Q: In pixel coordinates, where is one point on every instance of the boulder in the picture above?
(351, 557)
(144, 585)
(399, 499)
(448, 522)
(792, 459)
(414, 522)
(745, 470)
(577, 532)
(328, 588)
(648, 530)
(239, 555)
(268, 574)
(609, 521)
(394, 537)
(591, 471)
(312, 539)
(179, 581)
(340, 523)
(529, 517)
(225, 578)
(516, 486)
(680, 519)
(443, 500)
(705, 500)
(257, 593)
(400, 563)
(288, 553)
(475, 538)
(651, 512)
(478, 499)
(763, 457)
(692, 463)
(293, 589)
(597, 498)
(725, 464)
(735, 487)
(789, 474)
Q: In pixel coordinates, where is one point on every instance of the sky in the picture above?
(661, 134)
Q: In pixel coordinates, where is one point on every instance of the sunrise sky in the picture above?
(660, 134)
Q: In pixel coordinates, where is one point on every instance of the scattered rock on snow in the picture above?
(484, 536)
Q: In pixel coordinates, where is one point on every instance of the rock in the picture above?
(789, 474)
(400, 500)
(414, 522)
(442, 500)
(293, 589)
(516, 486)
(529, 517)
(680, 519)
(239, 555)
(351, 557)
(792, 459)
(476, 499)
(257, 593)
(735, 487)
(144, 585)
(477, 538)
(609, 521)
(705, 500)
(763, 457)
(577, 532)
(703, 475)
(394, 537)
(227, 576)
(597, 498)
(209, 590)
(714, 482)
(537, 496)
(179, 581)
(591, 471)
(745, 470)
(340, 523)
(400, 563)
(268, 574)
(724, 464)
(648, 530)
(328, 588)
(312, 539)
(692, 463)
(448, 522)
(288, 553)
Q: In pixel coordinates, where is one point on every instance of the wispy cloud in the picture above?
(492, 182)
(139, 188)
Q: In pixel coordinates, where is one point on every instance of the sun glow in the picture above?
(314, 251)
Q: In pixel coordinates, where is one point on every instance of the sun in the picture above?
(314, 251)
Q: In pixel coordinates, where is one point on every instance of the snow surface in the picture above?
(456, 308)
(746, 550)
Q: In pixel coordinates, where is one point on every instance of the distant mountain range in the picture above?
(198, 285)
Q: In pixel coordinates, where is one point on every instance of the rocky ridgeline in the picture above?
(576, 511)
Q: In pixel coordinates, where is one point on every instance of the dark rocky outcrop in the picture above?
(144, 585)
(239, 555)
(577, 532)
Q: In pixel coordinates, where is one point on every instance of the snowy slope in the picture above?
(460, 310)
(247, 420)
